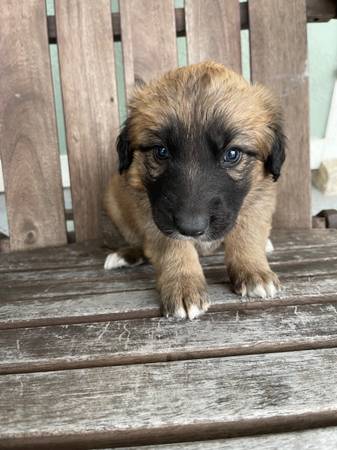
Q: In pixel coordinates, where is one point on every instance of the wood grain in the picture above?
(162, 402)
(75, 306)
(90, 105)
(150, 340)
(156, 34)
(213, 31)
(320, 438)
(29, 150)
(317, 11)
(278, 48)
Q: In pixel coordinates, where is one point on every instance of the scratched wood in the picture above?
(29, 150)
(319, 438)
(278, 48)
(158, 402)
(213, 31)
(156, 34)
(90, 105)
(150, 340)
(90, 253)
(71, 307)
(90, 268)
(79, 283)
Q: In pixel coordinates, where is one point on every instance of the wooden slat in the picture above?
(317, 11)
(163, 402)
(213, 32)
(319, 438)
(278, 42)
(29, 151)
(90, 105)
(88, 282)
(74, 306)
(151, 340)
(90, 253)
(91, 268)
(156, 34)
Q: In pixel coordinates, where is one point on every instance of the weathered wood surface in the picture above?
(160, 43)
(151, 340)
(317, 11)
(213, 32)
(278, 49)
(74, 308)
(317, 439)
(29, 151)
(90, 253)
(68, 283)
(87, 71)
(162, 402)
(75, 266)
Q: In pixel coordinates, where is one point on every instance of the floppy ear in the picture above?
(125, 153)
(277, 155)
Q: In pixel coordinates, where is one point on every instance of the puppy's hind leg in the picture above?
(124, 257)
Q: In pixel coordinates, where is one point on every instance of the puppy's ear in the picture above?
(277, 154)
(124, 150)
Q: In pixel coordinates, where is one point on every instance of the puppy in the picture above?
(198, 157)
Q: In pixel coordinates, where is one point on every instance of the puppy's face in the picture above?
(198, 140)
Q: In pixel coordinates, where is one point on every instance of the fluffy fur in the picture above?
(171, 208)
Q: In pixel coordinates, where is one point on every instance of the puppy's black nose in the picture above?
(191, 225)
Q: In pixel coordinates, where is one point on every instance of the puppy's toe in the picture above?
(114, 261)
(258, 285)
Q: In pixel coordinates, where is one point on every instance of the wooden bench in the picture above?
(86, 361)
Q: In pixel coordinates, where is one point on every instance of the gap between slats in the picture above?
(140, 341)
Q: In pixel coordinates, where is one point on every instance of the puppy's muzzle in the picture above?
(192, 225)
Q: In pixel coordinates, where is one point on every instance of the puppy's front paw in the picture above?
(185, 297)
(258, 284)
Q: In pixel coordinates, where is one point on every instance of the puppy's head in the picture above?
(197, 141)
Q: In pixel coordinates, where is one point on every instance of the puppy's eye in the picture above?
(232, 156)
(161, 152)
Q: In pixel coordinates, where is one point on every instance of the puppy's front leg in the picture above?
(180, 279)
(245, 256)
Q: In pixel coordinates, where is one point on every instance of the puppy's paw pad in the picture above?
(114, 261)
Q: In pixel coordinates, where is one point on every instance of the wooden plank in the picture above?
(91, 254)
(213, 32)
(72, 307)
(29, 150)
(88, 282)
(278, 43)
(319, 438)
(151, 340)
(159, 403)
(160, 43)
(90, 267)
(90, 105)
(317, 11)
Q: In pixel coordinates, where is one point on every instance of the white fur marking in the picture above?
(180, 313)
(271, 289)
(257, 291)
(193, 312)
(269, 246)
(113, 261)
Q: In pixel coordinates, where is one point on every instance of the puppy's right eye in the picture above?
(161, 152)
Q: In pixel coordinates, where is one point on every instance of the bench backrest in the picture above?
(148, 29)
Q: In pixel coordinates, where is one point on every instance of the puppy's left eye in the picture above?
(161, 152)
(232, 156)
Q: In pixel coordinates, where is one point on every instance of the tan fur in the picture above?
(180, 279)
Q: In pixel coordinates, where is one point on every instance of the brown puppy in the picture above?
(198, 157)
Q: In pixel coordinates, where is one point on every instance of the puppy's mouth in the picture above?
(215, 228)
